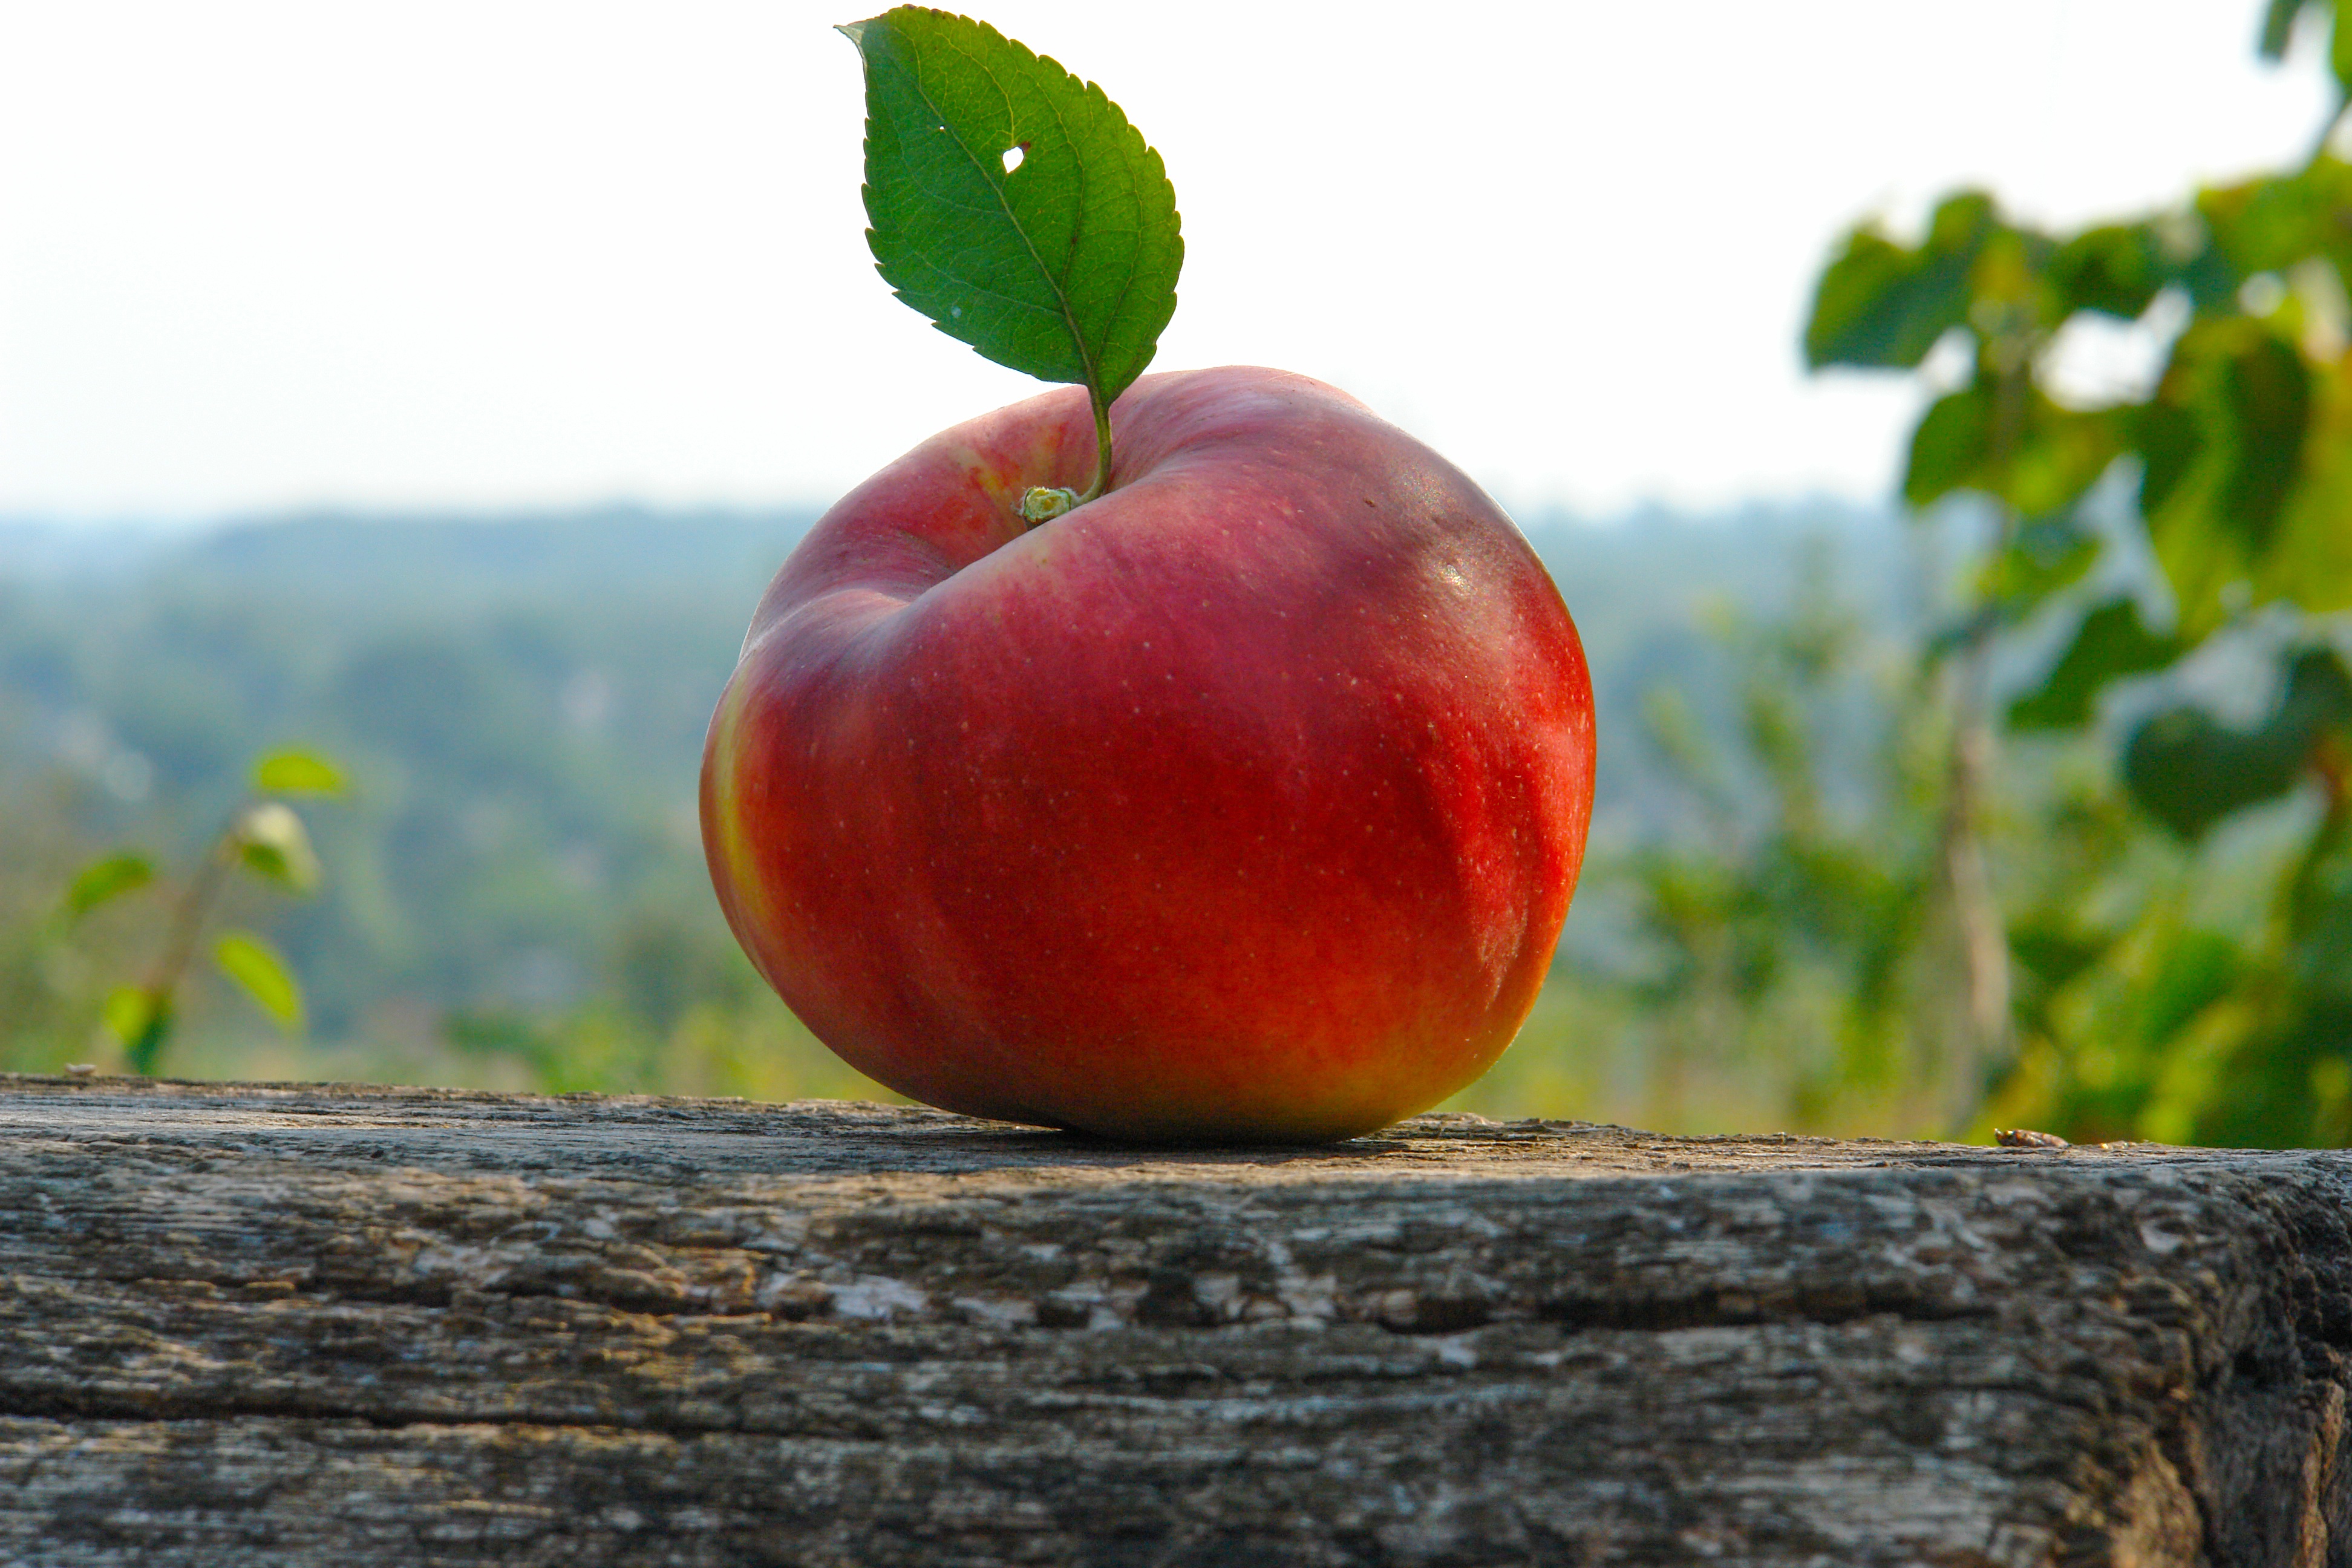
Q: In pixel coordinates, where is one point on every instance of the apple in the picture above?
(1241, 804)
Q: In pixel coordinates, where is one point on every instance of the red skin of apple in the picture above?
(1240, 803)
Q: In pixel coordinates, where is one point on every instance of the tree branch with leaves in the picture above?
(2237, 462)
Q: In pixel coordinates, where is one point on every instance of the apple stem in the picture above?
(1102, 444)
(1042, 503)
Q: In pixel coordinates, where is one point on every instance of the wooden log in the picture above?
(252, 1325)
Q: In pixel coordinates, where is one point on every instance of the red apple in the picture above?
(1240, 803)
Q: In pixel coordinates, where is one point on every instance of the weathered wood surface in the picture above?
(257, 1326)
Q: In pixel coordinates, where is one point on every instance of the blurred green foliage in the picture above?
(2173, 959)
(519, 707)
(263, 838)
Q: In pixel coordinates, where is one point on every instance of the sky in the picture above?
(256, 256)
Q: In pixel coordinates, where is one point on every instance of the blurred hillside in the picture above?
(515, 885)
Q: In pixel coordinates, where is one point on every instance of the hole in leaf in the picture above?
(1013, 157)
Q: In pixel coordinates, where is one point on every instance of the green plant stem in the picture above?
(1982, 930)
(180, 946)
(2303, 901)
(1102, 445)
(1043, 504)
(1976, 911)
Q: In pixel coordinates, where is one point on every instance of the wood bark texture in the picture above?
(254, 1326)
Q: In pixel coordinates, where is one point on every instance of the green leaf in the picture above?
(2189, 771)
(257, 967)
(2054, 953)
(2115, 270)
(2112, 643)
(296, 773)
(2052, 457)
(2044, 555)
(2234, 486)
(2270, 224)
(1881, 305)
(141, 1021)
(2266, 394)
(2319, 927)
(2168, 439)
(2307, 556)
(2278, 27)
(110, 877)
(1948, 447)
(2196, 969)
(2062, 454)
(1064, 265)
(272, 844)
(129, 1011)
